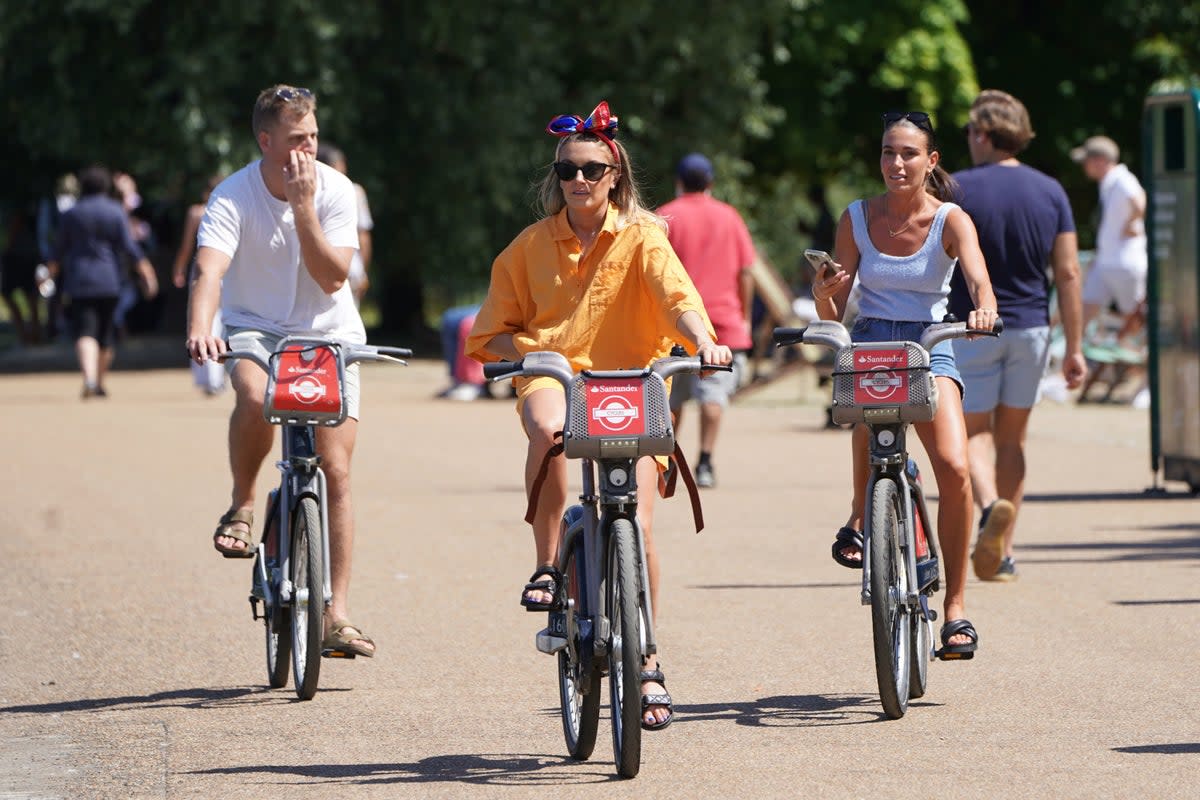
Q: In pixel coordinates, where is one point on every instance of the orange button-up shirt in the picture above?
(616, 308)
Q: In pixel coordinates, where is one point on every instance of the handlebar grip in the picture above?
(398, 352)
(998, 328)
(786, 336)
(498, 369)
(716, 367)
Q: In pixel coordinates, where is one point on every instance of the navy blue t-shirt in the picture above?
(92, 237)
(1018, 213)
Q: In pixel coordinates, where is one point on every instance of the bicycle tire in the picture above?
(580, 702)
(625, 650)
(276, 621)
(890, 623)
(308, 596)
(922, 644)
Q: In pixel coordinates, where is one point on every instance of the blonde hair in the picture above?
(1003, 119)
(624, 194)
(270, 106)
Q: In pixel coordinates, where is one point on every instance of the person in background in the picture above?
(1024, 222)
(712, 241)
(19, 264)
(50, 211)
(1117, 274)
(209, 377)
(361, 261)
(93, 237)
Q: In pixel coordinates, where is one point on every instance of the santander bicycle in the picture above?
(601, 622)
(306, 379)
(886, 386)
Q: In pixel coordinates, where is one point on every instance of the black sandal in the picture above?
(958, 652)
(550, 583)
(655, 676)
(847, 537)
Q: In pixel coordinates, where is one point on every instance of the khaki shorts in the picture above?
(266, 343)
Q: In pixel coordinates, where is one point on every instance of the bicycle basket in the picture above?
(881, 382)
(304, 386)
(618, 415)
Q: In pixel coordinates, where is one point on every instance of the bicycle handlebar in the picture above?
(831, 334)
(351, 353)
(554, 365)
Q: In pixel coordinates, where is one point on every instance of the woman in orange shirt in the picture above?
(597, 281)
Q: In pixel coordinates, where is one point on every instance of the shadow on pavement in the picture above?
(1181, 602)
(840, 585)
(1181, 748)
(1134, 550)
(182, 698)
(792, 711)
(1105, 497)
(488, 769)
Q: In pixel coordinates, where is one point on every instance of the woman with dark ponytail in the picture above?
(904, 245)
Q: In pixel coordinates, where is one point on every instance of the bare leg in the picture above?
(1010, 429)
(250, 439)
(543, 415)
(105, 364)
(710, 425)
(860, 472)
(336, 447)
(87, 350)
(945, 440)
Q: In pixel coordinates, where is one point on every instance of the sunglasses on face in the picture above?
(918, 118)
(592, 171)
(287, 94)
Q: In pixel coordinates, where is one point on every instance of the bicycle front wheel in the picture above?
(890, 621)
(625, 650)
(308, 596)
(578, 683)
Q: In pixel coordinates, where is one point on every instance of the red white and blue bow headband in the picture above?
(600, 122)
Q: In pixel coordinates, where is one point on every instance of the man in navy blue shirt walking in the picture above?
(1025, 224)
(93, 236)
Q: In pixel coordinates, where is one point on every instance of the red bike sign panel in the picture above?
(306, 379)
(881, 376)
(615, 407)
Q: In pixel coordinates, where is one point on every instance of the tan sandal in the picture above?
(226, 528)
(342, 645)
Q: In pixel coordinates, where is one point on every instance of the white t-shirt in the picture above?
(267, 287)
(1119, 189)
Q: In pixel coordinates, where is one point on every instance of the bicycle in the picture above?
(305, 389)
(886, 386)
(601, 622)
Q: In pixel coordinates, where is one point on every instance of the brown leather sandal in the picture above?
(226, 528)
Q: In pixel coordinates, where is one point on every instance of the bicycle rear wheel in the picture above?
(276, 619)
(625, 651)
(578, 683)
(308, 596)
(891, 623)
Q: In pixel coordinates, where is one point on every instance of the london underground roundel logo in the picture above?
(615, 413)
(307, 389)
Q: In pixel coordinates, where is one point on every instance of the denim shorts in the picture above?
(941, 357)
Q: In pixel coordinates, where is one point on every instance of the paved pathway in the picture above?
(129, 666)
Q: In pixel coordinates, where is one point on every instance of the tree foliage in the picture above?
(440, 106)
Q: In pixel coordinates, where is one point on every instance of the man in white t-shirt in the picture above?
(274, 250)
(1117, 274)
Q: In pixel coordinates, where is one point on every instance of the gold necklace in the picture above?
(887, 212)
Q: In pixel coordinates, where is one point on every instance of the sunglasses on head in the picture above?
(287, 94)
(592, 171)
(918, 118)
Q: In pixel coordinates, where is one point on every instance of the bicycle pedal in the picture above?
(330, 652)
(254, 609)
(549, 642)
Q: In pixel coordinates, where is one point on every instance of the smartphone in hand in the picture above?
(819, 259)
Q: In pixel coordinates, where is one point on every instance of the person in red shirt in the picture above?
(714, 245)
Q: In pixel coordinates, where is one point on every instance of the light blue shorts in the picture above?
(266, 343)
(941, 357)
(716, 388)
(1003, 371)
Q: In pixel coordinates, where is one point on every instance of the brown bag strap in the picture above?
(536, 489)
(668, 488)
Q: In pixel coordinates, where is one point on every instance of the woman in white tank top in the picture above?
(903, 246)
